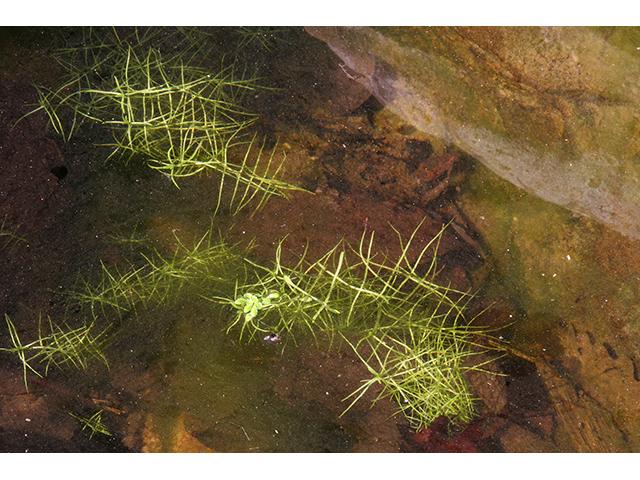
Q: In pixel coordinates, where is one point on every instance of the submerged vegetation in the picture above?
(153, 279)
(413, 327)
(334, 294)
(166, 109)
(267, 38)
(74, 346)
(183, 118)
(8, 239)
(409, 331)
(93, 423)
(421, 369)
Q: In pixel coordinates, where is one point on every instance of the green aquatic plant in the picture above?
(267, 38)
(421, 367)
(333, 295)
(413, 329)
(179, 118)
(250, 304)
(203, 265)
(409, 331)
(8, 239)
(69, 346)
(283, 300)
(93, 423)
(90, 63)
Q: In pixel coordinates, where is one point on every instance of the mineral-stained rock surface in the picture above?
(552, 110)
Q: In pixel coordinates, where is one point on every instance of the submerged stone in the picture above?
(554, 110)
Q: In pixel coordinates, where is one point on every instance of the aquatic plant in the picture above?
(8, 239)
(93, 423)
(332, 295)
(75, 346)
(413, 328)
(267, 38)
(407, 329)
(205, 265)
(180, 118)
(421, 367)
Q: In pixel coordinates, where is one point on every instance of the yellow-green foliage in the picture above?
(178, 117)
(8, 239)
(62, 346)
(411, 333)
(93, 423)
(183, 119)
(205, 265)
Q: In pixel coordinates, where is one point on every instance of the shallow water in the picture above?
(563, 288)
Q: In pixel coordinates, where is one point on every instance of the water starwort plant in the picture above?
(93, 423)
(163, 108)
(61, 347)
(414, 330)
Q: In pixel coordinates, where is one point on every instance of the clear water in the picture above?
(177, 382)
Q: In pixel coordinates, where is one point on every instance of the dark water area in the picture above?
(96, 248)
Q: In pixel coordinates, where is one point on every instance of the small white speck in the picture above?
(568, 257)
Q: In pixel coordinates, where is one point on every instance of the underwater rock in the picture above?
(582, 424)
(169, 435)
(554, 110)
(36, 414)
(435, 438)
(604, 366)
